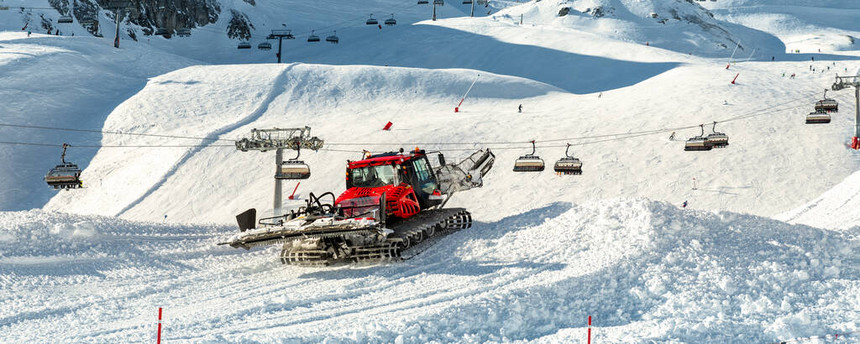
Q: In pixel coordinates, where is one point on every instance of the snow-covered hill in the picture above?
(645, 271)
(348, 106)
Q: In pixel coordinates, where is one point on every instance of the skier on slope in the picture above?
(684, 205)
(521, 108)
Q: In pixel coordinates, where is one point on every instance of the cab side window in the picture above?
(424, 175)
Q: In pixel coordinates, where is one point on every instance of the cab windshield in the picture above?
(374, 176)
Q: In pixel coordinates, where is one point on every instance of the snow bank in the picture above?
(646, 271)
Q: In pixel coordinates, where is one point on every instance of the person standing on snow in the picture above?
(684, 205)
(521, 108)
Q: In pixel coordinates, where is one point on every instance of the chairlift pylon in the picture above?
(529, 162)
(371, 20)
(568, 164)
(293, 168)
(66, 175)
(333, 39)
(698, 143)
(717, 139)
(313, 37)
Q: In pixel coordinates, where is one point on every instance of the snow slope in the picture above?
(646, 271)
(348, 105)
(68, 82)
(808, 26)
(835, 209)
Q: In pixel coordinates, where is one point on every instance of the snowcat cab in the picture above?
(698, 143)
(826, 104)
(716, 139)
(66, 175)
(568, 164)
(818, 118)
(407, 181)
(529, 162)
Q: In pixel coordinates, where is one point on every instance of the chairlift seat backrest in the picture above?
(264, 46)
(244, 45)
(529, 163)
(293, 169)
(390, 21)
(332, 39)
(818, 118)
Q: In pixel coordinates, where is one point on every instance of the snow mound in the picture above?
(644, 270)
(835, 209)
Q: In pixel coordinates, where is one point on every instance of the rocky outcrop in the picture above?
(240, 26)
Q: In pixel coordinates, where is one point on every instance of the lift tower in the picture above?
(845, 82)
(280, 35)
(278, 139)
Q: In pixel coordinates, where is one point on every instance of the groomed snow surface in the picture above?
(644, 270)
(546, 251)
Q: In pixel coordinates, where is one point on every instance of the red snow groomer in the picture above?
(393, 201)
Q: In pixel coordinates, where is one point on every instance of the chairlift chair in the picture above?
(313, 37)
(716, 139)
(568, 164)
(529, 162)
(423, 2)
(439, 2)
(66, 175)
(161, 31)
(818, 118)
(391, 21)
(698, 143)
(333, 39)
(264, 46)
(371, 20)
(826, 104)
(293, 169)
(481, 2)
(244, 45)
(67, 19)
(184, 32)
(467, 2)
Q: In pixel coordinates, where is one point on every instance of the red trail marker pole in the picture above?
(589, 329)
(158, 338)
(736, 77)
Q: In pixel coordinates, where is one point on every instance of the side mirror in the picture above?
(441, 159)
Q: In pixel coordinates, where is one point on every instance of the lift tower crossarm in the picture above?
(843, 82)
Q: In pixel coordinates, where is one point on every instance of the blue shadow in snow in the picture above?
(436, 47)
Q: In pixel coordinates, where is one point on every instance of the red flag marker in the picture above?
(387, 126)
